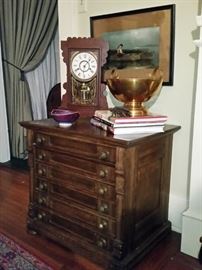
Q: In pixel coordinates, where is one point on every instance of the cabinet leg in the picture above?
(31, 229)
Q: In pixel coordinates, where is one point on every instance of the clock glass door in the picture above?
(84, 67)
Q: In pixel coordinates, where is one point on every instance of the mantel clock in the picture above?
(84, 58)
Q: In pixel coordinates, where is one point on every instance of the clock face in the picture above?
(84, 66)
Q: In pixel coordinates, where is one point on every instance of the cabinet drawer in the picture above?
(78, 229)
(82, 149)
(77, 183)
(97, 220)
(67, 166)
(85, 232)
(97, 204)
(101, 224)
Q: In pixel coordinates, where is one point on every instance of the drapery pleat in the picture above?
(27, 28)
(45, 76)
(4, 139)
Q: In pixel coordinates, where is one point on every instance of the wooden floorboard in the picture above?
(14, 186)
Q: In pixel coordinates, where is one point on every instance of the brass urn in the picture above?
(134, 92)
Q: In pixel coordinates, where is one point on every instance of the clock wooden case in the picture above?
(84, 58)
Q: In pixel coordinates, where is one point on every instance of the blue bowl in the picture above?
(64, 117)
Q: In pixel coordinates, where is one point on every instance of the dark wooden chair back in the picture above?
(54, 99)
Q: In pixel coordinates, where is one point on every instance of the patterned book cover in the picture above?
(128, 129)
(151, 118)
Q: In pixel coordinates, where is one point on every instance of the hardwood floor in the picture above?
(14, 186)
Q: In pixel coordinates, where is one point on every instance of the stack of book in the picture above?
(151, 123)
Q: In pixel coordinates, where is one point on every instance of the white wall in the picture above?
(68, 27)
(174, 101)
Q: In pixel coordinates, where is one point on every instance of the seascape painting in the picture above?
(135, 48)
(139, 41)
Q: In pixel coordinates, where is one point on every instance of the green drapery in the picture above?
(27, 28)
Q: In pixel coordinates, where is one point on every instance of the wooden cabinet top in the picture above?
(83, 129)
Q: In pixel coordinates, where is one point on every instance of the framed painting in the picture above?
(139, 41)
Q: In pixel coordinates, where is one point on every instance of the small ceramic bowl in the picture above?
(65, 118)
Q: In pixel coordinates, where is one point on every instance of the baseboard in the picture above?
(16, 164)
(191, 233)
(177, 205)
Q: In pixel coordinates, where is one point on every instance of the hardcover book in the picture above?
(128, 124)
(128, 129)
(133, 130)
(151, 118)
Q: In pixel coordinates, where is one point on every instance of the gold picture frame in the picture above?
(139, 41)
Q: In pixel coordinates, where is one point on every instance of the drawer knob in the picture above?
(102, 243)
(103, 173)
(102, 225)
(42, 200)
(104, 155)
(41, 172)
(43, 186)
(40, 216)
(103, 207)
(102, 190)
(41, 156)
(40, 140)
